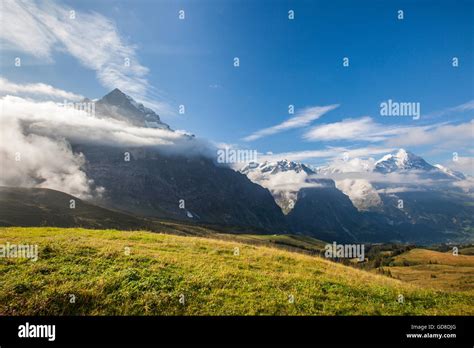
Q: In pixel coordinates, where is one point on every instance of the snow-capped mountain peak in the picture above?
(452, 173)
(275, 167)
(401, 160)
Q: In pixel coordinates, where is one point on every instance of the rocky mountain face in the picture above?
(329, 214)
(193, 189)
(122, 107)
(147, 181)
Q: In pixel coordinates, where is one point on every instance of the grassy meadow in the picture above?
(110, 272)
(434, 269)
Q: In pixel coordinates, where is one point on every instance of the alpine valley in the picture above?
(397, 198)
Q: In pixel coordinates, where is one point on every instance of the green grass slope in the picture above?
(434, 269)
(214, 277)
(45, 207)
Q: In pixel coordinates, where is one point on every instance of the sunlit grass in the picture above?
(214, 277)
(434, 269)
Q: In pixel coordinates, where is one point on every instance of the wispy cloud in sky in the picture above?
(366, 129)
(361, 128)
(36, 89)
(463, 164)
(41, 28)
(447, 136)
(302, 118)
(454, 109)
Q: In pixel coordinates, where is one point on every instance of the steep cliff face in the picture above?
(179, 187)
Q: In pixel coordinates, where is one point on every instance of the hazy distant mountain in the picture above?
(399, 161)
(276, 167)
(314, 205)
(425, 210)
(363, 179)
(283, 178)
(403, 161)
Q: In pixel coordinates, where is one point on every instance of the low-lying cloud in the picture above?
(361, 193)
(36, 90)
(35, 149)
(31, 160)
(282, 181)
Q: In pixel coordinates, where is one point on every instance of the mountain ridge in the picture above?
(121, 106)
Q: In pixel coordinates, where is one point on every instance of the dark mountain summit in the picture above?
(120, 106)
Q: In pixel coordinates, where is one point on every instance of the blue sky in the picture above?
(283, 62)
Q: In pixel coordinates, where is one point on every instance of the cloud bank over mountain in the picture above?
(36, 143)
(36, 90)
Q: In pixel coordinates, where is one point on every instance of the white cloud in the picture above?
(348, 129)
(284, 185)
(466, 185)
(462, 164)
(301, 119)
(409, 177)
(443, 135)
(361, 193)
(41, 132)
(446, 136)
(327, 153)
(21, 30)
(454, 109)
(40, 28)
(281, 181)
(38, 161)
(36, 89)
(51, 119)
(464, 107)
(364, 128)
(400, 189)
(348, 165)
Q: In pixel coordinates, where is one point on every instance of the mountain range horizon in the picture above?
(349, 199)
(118, 98)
